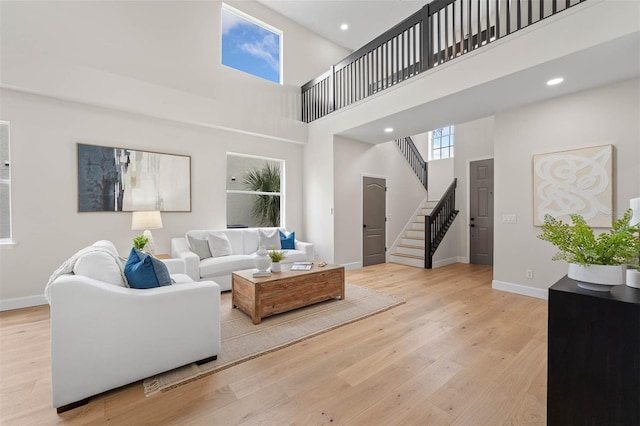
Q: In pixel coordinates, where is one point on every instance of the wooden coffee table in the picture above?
(260, 297)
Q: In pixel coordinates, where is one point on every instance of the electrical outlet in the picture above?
(529, 274)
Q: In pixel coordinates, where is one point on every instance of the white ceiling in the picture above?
(367, 19)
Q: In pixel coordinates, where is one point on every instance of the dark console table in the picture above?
(593, 356)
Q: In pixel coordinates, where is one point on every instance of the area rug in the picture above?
(242, 340)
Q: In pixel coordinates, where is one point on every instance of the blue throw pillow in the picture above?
(288, 243)
(144, 271)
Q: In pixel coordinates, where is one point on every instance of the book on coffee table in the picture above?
(301, 266)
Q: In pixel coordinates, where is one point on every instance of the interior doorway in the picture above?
(373, 220)
(481, 212)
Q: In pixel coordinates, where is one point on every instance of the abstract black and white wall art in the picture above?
(578, 181)
(120, 179)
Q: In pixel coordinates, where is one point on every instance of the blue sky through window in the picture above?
(249, 47)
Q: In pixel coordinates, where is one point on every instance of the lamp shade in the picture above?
(634, 203)
(146, 220)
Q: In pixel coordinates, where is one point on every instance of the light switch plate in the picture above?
(509, 218)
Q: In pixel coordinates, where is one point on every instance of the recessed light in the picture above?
(555, 81)
(344, 27)
(388, 130)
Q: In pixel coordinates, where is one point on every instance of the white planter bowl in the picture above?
(597, 277)
(633, 278)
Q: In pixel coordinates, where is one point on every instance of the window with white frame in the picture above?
(442, 143)
(250, 45)
(5, 184)
(254, 191)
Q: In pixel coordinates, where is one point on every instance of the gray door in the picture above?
(481, 212)
(373, 221)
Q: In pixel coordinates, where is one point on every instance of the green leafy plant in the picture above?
(266, 208)
(139, 242)
(277, 255)
(578, 244)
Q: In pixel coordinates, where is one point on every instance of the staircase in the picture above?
(432, 220)
(411, 246)
(422, 237)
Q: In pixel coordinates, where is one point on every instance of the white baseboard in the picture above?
(444, 262)
(22, 302)
(540, 293)
(450, 261)
(352, 265)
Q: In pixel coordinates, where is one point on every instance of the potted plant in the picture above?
(266, 208)
(139, 242)
(277, 256)
(595, 262)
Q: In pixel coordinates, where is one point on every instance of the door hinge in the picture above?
(385, 189)
(385, 249)
(385, 219)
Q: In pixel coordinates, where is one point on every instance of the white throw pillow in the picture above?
(199, 247)
(219, 244)
(269, 239)
(99, 266)
(106, 244)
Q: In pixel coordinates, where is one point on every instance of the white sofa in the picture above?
(244, 243)
(104, 335)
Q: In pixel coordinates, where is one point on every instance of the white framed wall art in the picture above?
(578, 181)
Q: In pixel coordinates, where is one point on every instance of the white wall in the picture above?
(473, 141)
(605, 115)
(46, 223)
(157, 58)
(352, 160)
(421, 141)
(142, 75)
(441, 174)
(173, 44)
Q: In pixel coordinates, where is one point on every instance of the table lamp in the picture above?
(147, 220)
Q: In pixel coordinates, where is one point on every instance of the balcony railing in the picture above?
(441, 31)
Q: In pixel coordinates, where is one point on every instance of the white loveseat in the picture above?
(244, 242)
(105, 335)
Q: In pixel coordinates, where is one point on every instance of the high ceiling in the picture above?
(367, 19)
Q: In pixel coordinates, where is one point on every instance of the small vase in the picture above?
(276, 267)
(263, 261)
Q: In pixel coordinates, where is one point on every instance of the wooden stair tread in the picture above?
(410, 256)
(410, 247)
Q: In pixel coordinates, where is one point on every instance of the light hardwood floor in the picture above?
(457, 352)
